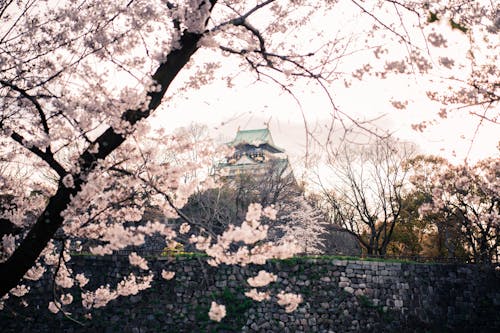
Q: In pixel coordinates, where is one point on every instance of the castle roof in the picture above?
(257, 137)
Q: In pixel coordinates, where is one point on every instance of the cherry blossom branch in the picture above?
(103, 210)
(167, 197)
(54, 293)
(46, 156)
(12, 270)
(28, 6)
(32, 99)
(4, 7)
(239, 20)
(364, 10)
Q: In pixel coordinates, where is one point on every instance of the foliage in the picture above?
(430, 236)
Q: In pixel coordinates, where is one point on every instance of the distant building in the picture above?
(254, 153)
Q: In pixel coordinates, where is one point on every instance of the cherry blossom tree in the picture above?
(298, 220)
(452, 45)
(445, 237)
(78, 82)
(470, 194)
(77, 79)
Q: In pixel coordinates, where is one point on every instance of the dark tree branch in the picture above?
(46, 155)
(32, 99)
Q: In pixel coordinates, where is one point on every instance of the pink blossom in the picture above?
(8, 244)
(289, 301)
(270, 212)
(262, 279)
(257, 296)
(35, 272)
(167, 275)
(82, 280)
(136, 260)
(99, 298)
(66, 299)
(68, 181)
(131, 285)
(184, 228)
(254, 212)
(20, 290)
(53, 307)
(63, 277)
(217, 312)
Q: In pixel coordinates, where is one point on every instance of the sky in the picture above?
(257, 105)
(249, 105)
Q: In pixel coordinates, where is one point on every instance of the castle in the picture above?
(255, 153)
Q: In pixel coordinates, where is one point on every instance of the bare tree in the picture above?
(367, 191)
(215, 209)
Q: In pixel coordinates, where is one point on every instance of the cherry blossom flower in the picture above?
(66, 299)
(257, 296)
(136, 260)
(289, 301)
(270, 212)
(217, 312)
(184, 228)
(167, 275)
(8, 245)
(63, 277)
(254, 212)
(53, 307)
(20, 291)
(68, 181)
(131, 285)
(99, 298)
(262, 279)
(35, 272)
(82, 280)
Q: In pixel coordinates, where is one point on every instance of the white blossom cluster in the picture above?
(301, 223)
(262, 279)
(217, 311)
(136, 260)
(471, 194)
(289, 301)
(130, 285)
(250, 232)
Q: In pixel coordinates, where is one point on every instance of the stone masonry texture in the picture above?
(338, 296)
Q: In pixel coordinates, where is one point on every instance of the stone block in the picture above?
(350, 290)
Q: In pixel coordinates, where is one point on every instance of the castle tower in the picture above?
(254, 154)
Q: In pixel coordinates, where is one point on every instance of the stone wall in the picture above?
(339, 296)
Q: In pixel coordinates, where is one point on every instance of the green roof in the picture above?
(254, 137)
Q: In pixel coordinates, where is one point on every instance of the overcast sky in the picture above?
(225, 110)
(250, 105)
